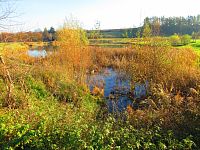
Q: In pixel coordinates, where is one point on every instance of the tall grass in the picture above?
(171, 67)
(159, 64)
(117, 58)
(173, 78)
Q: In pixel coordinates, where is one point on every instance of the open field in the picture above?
(123, 42)
(195, 46)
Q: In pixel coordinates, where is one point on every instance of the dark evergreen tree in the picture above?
(45, 35)
(52, 34)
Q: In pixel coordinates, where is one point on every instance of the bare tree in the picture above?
(7, 13)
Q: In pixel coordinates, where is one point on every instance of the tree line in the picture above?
(153, 26)
(39, 36)
(167, 26)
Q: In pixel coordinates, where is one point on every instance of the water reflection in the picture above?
(41, 51)
(117, 91)
(37, 53)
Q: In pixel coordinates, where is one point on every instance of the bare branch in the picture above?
(7, 14)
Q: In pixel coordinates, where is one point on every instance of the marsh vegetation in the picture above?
(67, 99)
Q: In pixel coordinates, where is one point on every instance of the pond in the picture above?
(116, 89)
(37, 53)
(41, 51)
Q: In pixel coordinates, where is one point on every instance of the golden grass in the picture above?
(111, 57)
(167, 66)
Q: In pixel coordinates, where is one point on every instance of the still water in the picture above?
(37, 53)
(117, 90)
(41, 51)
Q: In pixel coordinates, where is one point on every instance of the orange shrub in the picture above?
(73, 55)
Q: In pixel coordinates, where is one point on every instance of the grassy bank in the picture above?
(21, 45)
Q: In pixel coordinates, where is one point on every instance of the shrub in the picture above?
(185, 39)
(165, 65)
(175, 40)
(73, 52)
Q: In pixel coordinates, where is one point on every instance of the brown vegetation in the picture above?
(21, 37)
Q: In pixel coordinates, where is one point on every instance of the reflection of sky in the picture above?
(37, 53)
(112, 83)
(140, 90)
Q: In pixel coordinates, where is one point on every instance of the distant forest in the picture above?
(163, 26)
(171, 25)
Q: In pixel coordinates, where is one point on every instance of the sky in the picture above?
(111, 14)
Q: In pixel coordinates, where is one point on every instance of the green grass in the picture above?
(196, 46)
(122, 42)
(67, 116)
(116, 33)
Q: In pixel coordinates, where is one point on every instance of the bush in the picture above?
(175, 40)
(73, 51)
(165, 65)
(185, 39)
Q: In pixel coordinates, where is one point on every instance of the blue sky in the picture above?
(111, 13)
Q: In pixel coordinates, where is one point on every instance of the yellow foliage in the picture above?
(166, 65)
(73, 55)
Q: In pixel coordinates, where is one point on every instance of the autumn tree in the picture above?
(146, 30)
(175, 40)
(156, 27)
(74, 52)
